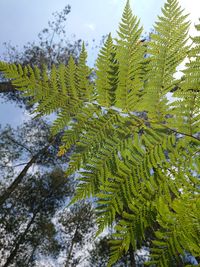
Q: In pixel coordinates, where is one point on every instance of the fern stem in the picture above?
(173, 130)
(178, 132)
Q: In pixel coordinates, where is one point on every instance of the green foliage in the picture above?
(107, 67)
(167, 50)
(186, 108)
(134, 152)
(130, 57)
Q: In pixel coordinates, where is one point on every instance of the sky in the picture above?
(22, 20)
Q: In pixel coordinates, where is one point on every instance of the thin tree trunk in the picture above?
(18, 180)
(22, 174)
(132, 257)
(71, 247)
(19, 242)
(31, 258)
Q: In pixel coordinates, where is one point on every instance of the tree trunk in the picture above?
(71, 247)
(22, 174)
(132, 257)
(19, 242)
(18, 180)
(31, 258)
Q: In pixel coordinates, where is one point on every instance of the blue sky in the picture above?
(22, 20)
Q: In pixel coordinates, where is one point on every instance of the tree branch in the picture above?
(178, 132)
(19, 144)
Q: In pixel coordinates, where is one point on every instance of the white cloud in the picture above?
(90, 26)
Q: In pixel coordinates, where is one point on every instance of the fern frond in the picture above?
(130, 58)
(171, 240)
(107, 70)
(186, 109)
(70, 78)
(98, 147)
(167, 49)
(84, 86)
